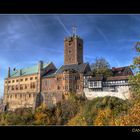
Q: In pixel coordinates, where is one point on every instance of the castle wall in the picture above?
(121, 92)
(21, 91)
(20, 100)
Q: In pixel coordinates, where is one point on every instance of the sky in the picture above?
(27, 38)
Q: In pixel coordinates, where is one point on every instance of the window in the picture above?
(69, 51)
(58, 87)
(15, 96)
(13, 81)
(70, 43)
(25, 86)
(5, 82)
(12, 87)
(95, 84)
(91, 84)
(16, 80)
(29, 95)
(16, 87)
(78, 77)
(33, 85)
(21, 87)
(26, 79)
(8, 88)
(35, 77)
(9, 81)
(31, 78)
(21, 79)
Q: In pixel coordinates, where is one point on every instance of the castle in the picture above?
(44, 83)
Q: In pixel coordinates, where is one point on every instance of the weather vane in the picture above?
(74, 30)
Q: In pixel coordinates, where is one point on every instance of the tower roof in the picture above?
(81, 68)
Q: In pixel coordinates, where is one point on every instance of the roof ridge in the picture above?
(32, 66)
(58, 69)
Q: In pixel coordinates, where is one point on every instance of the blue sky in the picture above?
(25, 39)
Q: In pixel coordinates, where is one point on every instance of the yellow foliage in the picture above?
(102, 117)
(131, 118)
(78, 120)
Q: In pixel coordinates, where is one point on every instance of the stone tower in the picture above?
(73, 50)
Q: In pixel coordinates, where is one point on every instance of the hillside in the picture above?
(78, 112)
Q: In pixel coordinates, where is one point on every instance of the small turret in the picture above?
(8, 72)
(40, 66)
(20, 72)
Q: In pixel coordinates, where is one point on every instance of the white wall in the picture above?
(122, 92)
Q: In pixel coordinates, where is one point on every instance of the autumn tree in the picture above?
(101, 67)
(135, 80)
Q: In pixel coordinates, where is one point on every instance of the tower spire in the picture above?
(74, 28)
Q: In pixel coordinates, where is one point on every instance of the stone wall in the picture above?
(121, 92)
(73, 50)
(21, 100)
(20, 92)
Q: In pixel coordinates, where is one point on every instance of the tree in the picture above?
(103, 117)
(135, 80)
(101, 67)
(130, 118)
(1, 100)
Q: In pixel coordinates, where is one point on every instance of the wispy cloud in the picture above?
(102, 34)
(29, 20)
(26, 39)
(63, 25)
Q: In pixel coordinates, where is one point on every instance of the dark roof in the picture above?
(89, 73)
(97, 78)
(122, 71)
(81, 68)
(116, 78)
(50, 74)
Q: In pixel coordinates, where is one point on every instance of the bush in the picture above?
(18, 117)
(98, 108)
(130, 118)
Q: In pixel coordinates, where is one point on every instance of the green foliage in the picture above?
(67, 109)
(74, 111)
(130, 118)
(78, 120)
(92, 110)
(44, 116)
(19, 117)
(101, 67)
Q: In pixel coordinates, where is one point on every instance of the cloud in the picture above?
(63, 25)
(103, 35)
(26, 39)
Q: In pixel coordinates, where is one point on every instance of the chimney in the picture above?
(40, 66)
(20, 72)
(8, 72)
